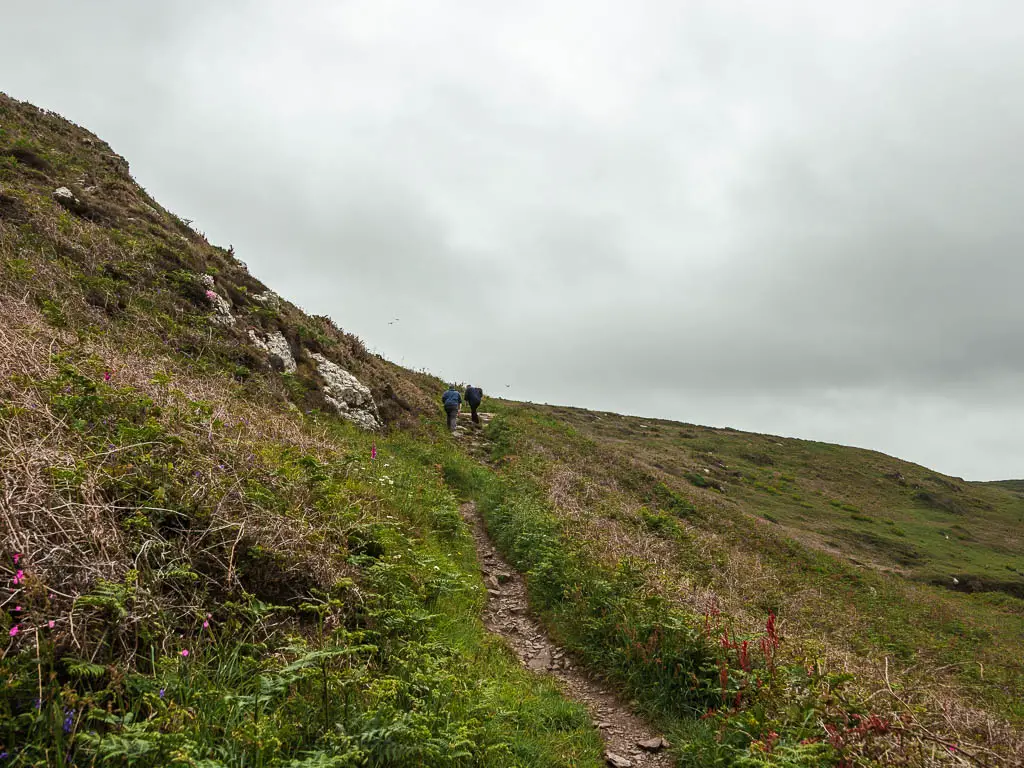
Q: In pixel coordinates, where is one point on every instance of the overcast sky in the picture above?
(802, 218)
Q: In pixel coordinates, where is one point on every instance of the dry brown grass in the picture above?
(72, 538)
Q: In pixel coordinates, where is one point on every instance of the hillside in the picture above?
(231, 536)
(1013, 485)
(860, 506)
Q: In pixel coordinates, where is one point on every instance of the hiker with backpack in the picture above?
(451, 400)
(474, 396)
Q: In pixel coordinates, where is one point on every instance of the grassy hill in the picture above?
(1016, 486)
(860, 506)
(231, 538)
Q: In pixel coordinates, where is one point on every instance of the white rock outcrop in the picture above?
(221, 308)
(349, 396)
(268, 299)
(65, 197)
(277, 348)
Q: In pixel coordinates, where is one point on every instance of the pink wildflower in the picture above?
(14, 630)
(17, 557)
(184, 653)
(107, 375)
(19, 577)
(211, 295)
(373, 451)
(51, 623)
(206, 625)
(17, 607)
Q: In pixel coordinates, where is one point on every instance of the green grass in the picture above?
(386, 665)
(870, 574)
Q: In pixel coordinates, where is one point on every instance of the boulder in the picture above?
(349, 396)
(654, 745)
(65, 197)
(277, 348)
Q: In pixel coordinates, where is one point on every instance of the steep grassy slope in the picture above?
(203, 564)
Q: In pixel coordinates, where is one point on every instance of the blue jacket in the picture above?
(451, 398)
(474, 395)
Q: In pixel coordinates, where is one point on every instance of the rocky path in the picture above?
(629, 741)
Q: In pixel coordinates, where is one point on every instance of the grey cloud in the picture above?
(784, 216)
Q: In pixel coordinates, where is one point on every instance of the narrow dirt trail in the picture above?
(629, 741)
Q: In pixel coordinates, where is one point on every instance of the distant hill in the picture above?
(863, 506)
(1013, 485)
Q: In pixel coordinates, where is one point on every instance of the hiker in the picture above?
(452, 400)
(474, 395)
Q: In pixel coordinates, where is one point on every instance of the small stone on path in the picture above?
(617, 761)
(653, 745)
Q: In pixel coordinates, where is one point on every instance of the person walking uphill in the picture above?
(452, 400)
(474, 396)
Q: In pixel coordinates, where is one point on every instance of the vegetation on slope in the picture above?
(205, 566)
(934, 664)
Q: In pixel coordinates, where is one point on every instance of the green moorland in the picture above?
(855, 552)
(204, 565)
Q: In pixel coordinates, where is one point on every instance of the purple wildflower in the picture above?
(69, 720)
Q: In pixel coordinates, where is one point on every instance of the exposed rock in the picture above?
(349, 396)
(205, 280)
(119, 163)
(654, 745)
(221, 306)
(268, 299)
(277, 348)
(65, 197)
(617, 761)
